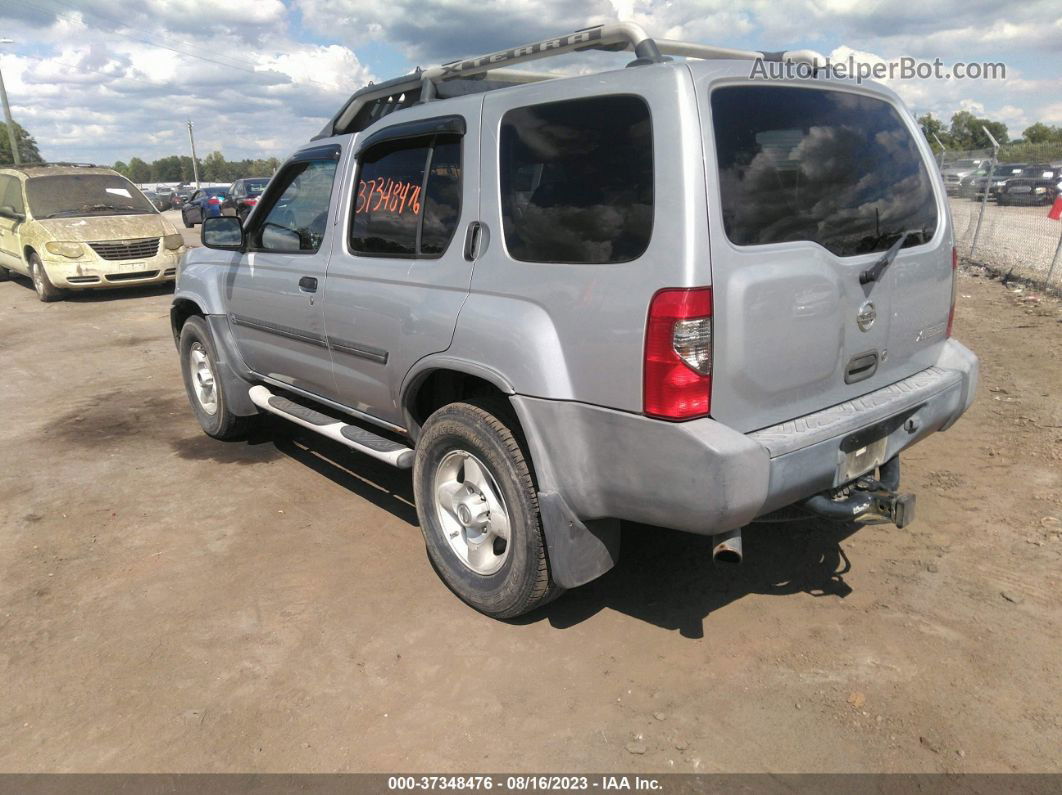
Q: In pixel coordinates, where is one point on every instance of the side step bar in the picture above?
(394, 453)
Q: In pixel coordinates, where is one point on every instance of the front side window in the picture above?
(297, 219)
(577, 180)
(832, 167)
(10, 195)
(407, 199)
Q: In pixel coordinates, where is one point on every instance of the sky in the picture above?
(106, 80)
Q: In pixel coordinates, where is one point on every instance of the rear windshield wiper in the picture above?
(873, 273)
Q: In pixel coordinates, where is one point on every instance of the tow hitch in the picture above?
(868, 495)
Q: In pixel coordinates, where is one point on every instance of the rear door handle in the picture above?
(308, 284)
(472, 240)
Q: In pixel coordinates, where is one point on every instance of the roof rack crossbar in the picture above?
(614, 36)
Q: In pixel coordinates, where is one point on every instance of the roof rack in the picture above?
(469, 75)
(25, 166)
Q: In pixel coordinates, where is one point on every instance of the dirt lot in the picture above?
(173, 603)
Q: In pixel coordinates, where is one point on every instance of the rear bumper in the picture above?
(704, 477)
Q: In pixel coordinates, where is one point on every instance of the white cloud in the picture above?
(95, 95)
(107, 79)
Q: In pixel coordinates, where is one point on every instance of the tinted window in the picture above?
(11, 193)
(832, 167)
(442, 202)
(408, 191)
(577, 180)
(296, 221)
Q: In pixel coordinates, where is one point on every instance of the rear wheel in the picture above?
(5, 274)
(184, 218)
(205, 390)
(478, 510)
(46, 291)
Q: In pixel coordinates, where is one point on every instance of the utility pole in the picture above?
(11, 135)
(195, 165)
(988, 186)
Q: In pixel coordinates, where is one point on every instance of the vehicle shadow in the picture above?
(664, 577)
(381, 484)
(667, 578)
(100, 294)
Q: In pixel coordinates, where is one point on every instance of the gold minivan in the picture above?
(76, 227)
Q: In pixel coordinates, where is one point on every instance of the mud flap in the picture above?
(578, 551)
(233, 384)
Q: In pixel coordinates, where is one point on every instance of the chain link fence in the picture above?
(1010, 230)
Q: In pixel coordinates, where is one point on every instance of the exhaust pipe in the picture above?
(726, 547)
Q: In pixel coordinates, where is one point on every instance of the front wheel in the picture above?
(199, 368)
(46, 291)
(5, 274)
(478, 510)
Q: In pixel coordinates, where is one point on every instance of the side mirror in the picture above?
(223, 232)
(280, 238)
(7, 211)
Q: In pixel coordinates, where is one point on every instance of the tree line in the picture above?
(212, 168)
(27, 146)
(967, 132)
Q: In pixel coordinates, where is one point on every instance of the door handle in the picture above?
(472, 240)
(308, 284)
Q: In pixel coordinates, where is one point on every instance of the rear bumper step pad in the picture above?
(353, 436)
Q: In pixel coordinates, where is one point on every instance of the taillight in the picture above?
(678, 354)
(954, 289)
(213, 200)
(249, 202)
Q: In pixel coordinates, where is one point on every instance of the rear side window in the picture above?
(577, 180)
(836, 168)
(408, 197)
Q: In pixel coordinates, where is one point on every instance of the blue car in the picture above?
(204, 203)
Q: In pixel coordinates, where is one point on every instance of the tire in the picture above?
(500, 580)
(209, 407)
(5, 274)
(184, 219)
(46, 291)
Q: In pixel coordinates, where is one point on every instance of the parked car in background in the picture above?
(203, 203)
(243, 196)
(954, 172)
(180, 195)
(159, 202)
(994, 181)
(74, 227)
(165, 193)
(1035, 185)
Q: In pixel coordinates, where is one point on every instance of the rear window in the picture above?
(577, 180)
(835, 168)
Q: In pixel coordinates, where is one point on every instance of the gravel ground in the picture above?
(173, 603)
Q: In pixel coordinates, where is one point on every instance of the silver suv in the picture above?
(671, 294)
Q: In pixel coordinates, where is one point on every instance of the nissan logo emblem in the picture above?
(866, 316)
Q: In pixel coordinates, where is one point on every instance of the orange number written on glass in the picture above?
(388, 195)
